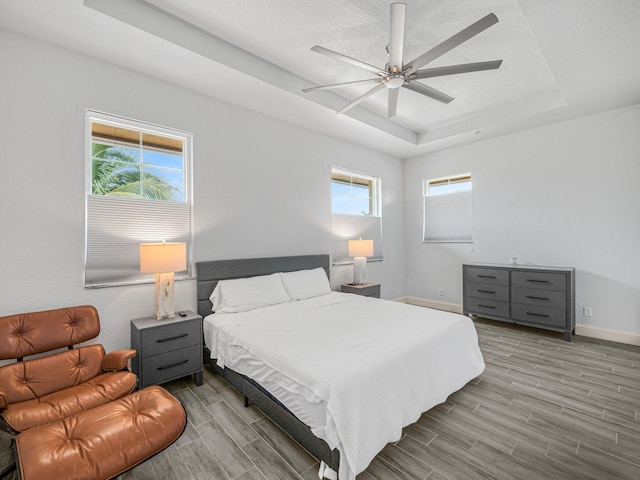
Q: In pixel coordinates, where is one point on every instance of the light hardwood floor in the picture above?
(543, 409)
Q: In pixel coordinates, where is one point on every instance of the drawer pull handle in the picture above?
(174, 365)
(161, 340)
(537, 298)
(486, 291)
(486, 306)
(532, 280)
(538, 315)
(486, 276)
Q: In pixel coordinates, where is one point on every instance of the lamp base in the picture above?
(359, 270)
(163, 307)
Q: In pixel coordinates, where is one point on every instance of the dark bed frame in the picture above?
(209, 273)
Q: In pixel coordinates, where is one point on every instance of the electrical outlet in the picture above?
(441, 292)
(587, 312)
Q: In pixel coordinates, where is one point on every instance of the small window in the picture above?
(138, 191)
(448, 185)
(447, 209)
(354, 193)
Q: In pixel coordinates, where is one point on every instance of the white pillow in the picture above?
(243, 294)
(306, 283)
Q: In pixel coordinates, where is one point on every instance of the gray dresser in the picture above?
(541, 297)
(167, 349)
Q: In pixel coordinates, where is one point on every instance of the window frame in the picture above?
(349, 226)
(186, 138)
(456, 195)
(375, 190)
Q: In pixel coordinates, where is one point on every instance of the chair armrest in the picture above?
(117, 360)
(3, 402)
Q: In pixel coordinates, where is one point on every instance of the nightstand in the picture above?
(167, 349)
(367, 289)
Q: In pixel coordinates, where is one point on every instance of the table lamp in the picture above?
(360, 250)
(163, 259)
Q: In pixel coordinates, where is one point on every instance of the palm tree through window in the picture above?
(136, 164)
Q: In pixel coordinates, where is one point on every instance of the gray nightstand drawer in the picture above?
(552, 317)
(493, 292)
(478, 306)
(169, 337)
(543, 298)
(490, 276)
(367, 289)
(170, 365)
(542, 280)
(167, 349)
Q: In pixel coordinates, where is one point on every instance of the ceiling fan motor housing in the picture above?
(395, 80)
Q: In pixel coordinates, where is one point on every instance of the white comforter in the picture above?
(377, 365)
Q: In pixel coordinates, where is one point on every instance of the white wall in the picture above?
(261, 186)
(565, 195)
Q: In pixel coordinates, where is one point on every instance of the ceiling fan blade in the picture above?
(361, 98)
(396, 36)
(455, 69)
(428, 91)
(344, 58)
(392, 102)
(452, 42)
(340, 85)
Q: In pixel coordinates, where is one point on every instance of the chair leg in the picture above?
(8, 470)
(12, 467)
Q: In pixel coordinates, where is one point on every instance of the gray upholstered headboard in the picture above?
(210, 272)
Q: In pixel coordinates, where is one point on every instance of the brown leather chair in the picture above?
(51, 388)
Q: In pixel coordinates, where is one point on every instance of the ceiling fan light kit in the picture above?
(397, 74)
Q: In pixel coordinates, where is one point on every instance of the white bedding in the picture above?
(372, 366)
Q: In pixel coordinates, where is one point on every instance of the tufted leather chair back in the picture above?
(31, 379)
(36, 332)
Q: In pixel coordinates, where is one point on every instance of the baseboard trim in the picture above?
(600, 333)
(423, 302)
(606, 334)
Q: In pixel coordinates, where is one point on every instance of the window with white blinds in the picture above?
(357, 212)
(447, 209)
(138, 191)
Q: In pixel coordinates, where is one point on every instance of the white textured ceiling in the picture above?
(561, 58)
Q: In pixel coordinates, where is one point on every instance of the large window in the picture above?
(447, 209)
(138, 191)
(355, 204)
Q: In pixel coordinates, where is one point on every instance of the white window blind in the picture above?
(353, 227)
(447, 209)
(117, 226)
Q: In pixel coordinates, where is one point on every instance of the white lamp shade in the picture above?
(163, 257)
(361, 248)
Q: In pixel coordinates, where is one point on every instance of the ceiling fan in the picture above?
(397, 74)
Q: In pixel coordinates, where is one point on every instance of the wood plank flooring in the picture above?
(543, 409)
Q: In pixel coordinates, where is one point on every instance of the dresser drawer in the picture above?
(552, 317)
(543, 298)
(539, 280)
(170, 365)
(480, 306)
(489, 276)
(493, 292)
(169, 337)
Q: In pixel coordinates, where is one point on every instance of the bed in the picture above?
(340, 373)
